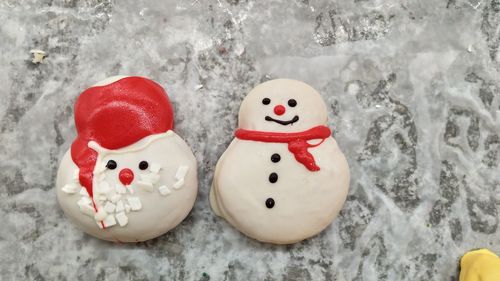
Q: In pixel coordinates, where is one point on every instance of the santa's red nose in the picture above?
(126, 176)
(279, 109)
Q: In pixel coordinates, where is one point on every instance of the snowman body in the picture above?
(138, 191)
(261, 189)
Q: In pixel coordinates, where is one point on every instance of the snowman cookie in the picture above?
(283, 178)
(127, 176)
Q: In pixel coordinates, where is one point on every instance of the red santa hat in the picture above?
(117, 115)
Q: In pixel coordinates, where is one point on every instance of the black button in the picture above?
(270, 203)
(143, 165)
(111, 165)
(275, 158)
(292, 102)
(273, 177)
(266, 101)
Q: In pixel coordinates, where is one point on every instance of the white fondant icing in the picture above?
(100, 215)
(178, 184)
(181, 172)
(121, 189)
(103, 188)
(111, 193)
(122, 219)
(109, 207)
(155, 168)
(84, 201)
(135, 203)
(119, 206)
(115, 198)
(109, 221)
(87, 210)
(85, 205)
(148, 186)
(164, 190)
(99, 168)
(150, 178)
(310, 107)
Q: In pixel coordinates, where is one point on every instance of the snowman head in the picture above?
(122, 177)
(282, 105)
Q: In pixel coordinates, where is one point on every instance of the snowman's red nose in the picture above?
(126, 176)
(279, 109)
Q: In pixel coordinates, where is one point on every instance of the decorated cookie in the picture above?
(480, 265)
(127, 176)
(283, 178)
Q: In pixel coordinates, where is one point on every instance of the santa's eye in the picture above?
(111, 164)
(266, 101)
(292, 102)
(143, 165)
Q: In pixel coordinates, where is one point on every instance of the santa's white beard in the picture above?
(113, 201)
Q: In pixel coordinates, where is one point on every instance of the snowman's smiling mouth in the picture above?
(284, 123)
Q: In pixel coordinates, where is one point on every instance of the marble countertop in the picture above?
(413, 89)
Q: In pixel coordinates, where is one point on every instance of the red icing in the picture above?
(115, 116)
(297, 142)
(126, 176)
(279, 109)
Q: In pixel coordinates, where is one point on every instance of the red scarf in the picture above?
(297, 142)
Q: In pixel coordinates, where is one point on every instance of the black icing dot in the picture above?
(269, 203)
(273, 177)
(275, 158)
(143, 165)
(266, 101)
(111, 164)
(292, 102)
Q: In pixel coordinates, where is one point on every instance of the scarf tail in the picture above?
(299, 150)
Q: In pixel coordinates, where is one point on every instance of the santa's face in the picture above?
(282, 105)
(134, 166)
(139, 191)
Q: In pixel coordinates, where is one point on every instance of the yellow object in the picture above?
(480, 265)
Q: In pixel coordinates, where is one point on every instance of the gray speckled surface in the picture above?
(413, 89)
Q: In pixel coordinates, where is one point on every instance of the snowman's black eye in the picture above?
(111, 164)
(292, 102)
(143, 165)
(266, 101)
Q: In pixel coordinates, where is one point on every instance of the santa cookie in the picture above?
(127, 176)
(283, 178)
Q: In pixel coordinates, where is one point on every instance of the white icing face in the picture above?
(282, 105)
(140, 191)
